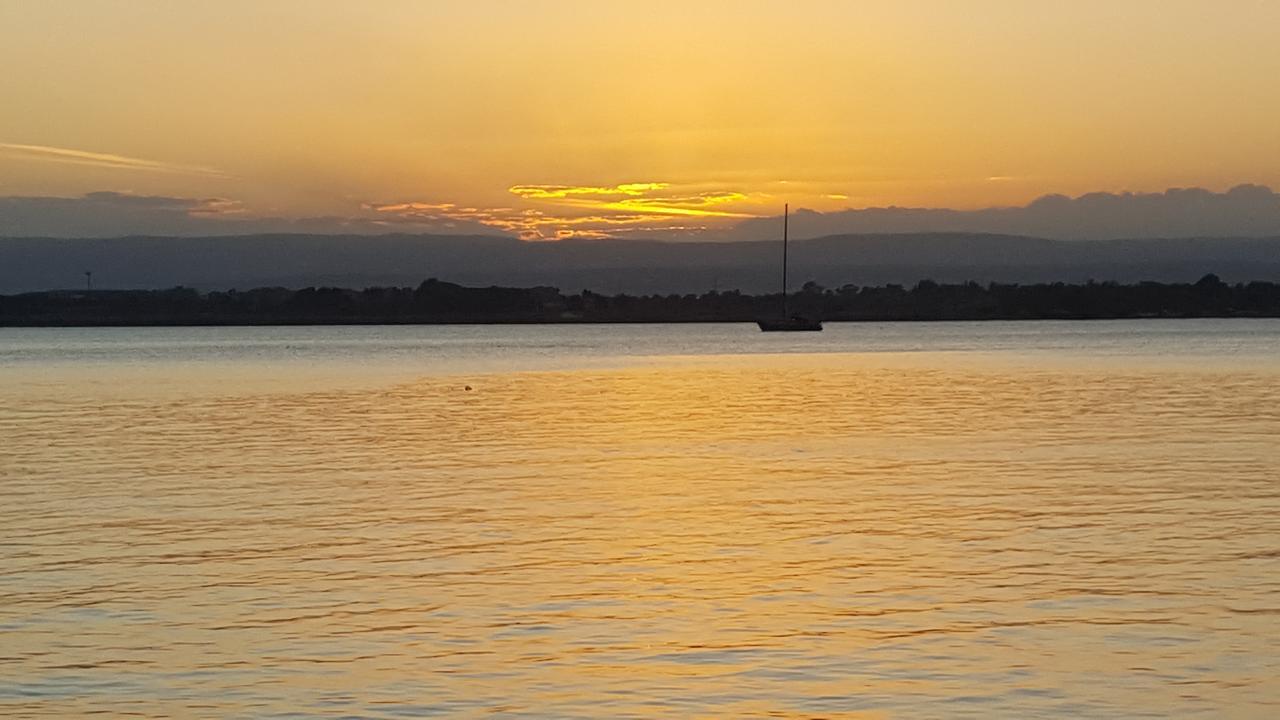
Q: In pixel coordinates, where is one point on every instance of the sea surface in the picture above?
(906, 520)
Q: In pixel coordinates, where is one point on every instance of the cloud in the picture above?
(699, 205)
(113, 214)
(548, 212)
(101, 214)
(45, 153)
(656, 198)
(538, 212)
(654, 210)
(1242, 211)
(160, 202)
(552, 192)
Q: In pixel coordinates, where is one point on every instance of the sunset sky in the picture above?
(551, 118)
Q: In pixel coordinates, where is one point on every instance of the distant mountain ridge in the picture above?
(616, 266)
(1243, 211)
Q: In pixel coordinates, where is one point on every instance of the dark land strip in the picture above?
(437, 302)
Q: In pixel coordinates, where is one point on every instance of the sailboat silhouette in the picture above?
(787, 321)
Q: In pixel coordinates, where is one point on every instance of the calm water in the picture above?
(899, 520)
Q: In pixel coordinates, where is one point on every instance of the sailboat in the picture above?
(787, 321)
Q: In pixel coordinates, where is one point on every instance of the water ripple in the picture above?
(831, 535)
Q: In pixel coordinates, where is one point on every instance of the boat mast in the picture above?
(786, 210)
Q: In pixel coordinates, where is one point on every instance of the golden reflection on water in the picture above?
(813, 536)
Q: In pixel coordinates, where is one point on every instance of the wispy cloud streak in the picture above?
(585, 211)
(643, 197)
(46, 153)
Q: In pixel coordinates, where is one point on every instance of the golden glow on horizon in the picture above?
(551, 192)
(564, 117)
(644, 197)
(580, 211)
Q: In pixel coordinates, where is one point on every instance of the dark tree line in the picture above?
(441, 302)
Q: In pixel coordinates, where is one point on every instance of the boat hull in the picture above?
(791, 325)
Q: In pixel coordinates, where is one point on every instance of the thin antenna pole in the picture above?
(786, 211)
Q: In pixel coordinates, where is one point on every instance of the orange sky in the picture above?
(555, 117)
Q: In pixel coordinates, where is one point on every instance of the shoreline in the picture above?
(436, 302)
(391, 322)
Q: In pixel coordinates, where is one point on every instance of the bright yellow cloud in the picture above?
(554, 192)
(560, 211)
